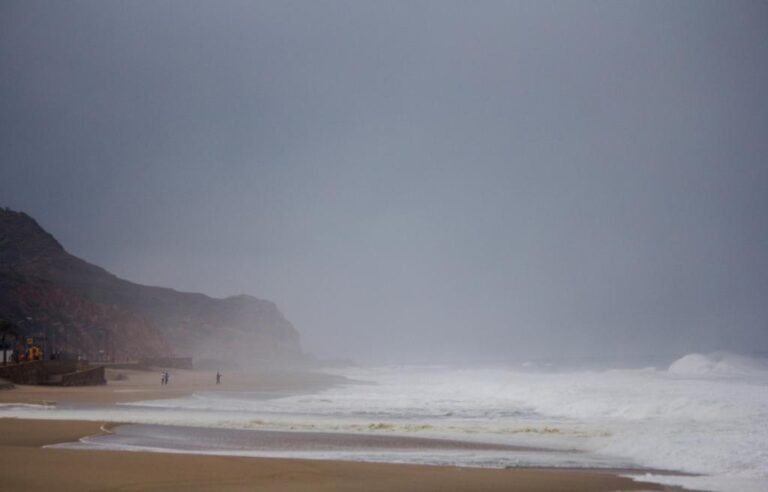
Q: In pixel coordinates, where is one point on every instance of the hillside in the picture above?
(83, 308)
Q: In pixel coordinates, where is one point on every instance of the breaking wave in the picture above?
(704, 414)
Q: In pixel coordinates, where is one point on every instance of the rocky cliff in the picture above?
(80, 307)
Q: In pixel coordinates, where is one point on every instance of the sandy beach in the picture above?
(26, 465)
(126, 385)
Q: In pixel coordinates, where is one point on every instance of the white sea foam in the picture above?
(705, 414)
(718, 364)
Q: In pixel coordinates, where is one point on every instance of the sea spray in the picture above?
(705, 414)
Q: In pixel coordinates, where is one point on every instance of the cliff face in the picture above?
(83, 308)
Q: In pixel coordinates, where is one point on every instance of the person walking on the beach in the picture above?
(166, 377)
(218, 377)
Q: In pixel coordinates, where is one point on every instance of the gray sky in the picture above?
(410, 179)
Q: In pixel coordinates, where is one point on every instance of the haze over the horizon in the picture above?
(415, 180)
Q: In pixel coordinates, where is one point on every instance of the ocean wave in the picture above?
(702, 414)
(720, 364)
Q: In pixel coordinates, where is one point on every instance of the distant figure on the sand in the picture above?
(164, 378)
(218, 377)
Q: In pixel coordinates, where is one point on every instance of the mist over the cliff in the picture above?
(421, 181)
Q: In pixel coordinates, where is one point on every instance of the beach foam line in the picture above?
(339, 446)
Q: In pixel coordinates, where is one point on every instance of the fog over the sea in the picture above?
(410, 181)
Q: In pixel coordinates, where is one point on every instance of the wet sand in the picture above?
(26, 466)
(210, 440)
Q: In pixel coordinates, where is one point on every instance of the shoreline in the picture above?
(130, 385)
(26, 465)
(29, 462)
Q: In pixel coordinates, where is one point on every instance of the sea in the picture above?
(701, 422)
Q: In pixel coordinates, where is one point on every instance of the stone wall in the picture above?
(88, 377)
(32, 372)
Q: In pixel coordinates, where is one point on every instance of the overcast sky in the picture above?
(410, 180)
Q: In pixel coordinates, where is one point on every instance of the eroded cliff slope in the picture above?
(83, 308)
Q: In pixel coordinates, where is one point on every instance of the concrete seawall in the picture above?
(88, 377)
(56, 372)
